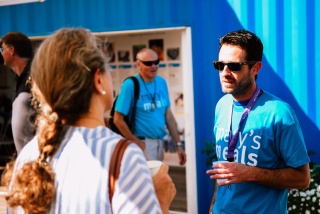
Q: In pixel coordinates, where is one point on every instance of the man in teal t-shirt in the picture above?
(257, 133)
(153, 111)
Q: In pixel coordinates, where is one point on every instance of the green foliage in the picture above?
(308, 200)
(209, 151)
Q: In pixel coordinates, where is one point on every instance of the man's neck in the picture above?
(247, 95)
(146, 79)
(19, 65)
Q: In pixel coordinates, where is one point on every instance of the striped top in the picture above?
(81, 166)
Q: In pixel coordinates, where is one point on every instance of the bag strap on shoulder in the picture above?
(115, 164)
(136, 87)
(136, 97)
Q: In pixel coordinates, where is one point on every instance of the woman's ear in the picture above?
(97, 81)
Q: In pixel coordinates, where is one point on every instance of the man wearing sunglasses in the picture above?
(256, 133)
(17, 52)
(153, 111)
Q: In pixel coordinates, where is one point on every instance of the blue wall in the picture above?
(288, 29)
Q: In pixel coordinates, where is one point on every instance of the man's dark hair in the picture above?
(21, 43)
(247, 40)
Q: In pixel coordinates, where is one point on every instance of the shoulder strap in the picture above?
(136, 87)
(115, 163)
(136, 97)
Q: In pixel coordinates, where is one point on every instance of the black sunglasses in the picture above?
(232, 66)
(150, 63)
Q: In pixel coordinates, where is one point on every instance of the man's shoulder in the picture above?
(272, 106)
(23, 82)
(223, 103)
(227, 98)
(130, 81)
(160, 78)
(271, 101)
(161, 81)
(25, 72)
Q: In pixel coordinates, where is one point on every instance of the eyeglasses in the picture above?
(2, 49)
(232, 66)
(150, 63)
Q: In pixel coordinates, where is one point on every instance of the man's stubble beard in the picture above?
(242, 87)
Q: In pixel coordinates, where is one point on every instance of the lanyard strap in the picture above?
(233, 139)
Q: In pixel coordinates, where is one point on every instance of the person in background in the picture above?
(65, 168)
(5, 110)
(258, 134)
(153, 111)
(17, 52)
(169, 144)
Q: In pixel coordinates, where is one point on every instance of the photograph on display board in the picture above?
(157, 46)
(136, 49)
(123, 56)
(173, 53)
(178, 101)
(108, 51)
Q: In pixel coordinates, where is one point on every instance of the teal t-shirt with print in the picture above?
(270, 138)
(149, 122)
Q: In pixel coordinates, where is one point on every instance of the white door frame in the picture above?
(186, 61)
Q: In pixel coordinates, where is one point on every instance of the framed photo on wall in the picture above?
(173, 53)
(136, 49)
(123, 56)
(157, 46)
(108, 51)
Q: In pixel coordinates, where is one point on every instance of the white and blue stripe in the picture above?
(82, 172)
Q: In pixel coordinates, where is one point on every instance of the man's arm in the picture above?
(172, 127)
(125, 130)
(286, 178)
(291, 178)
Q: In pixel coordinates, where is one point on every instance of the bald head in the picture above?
(147, 54)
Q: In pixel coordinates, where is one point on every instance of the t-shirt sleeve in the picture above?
(292, 144)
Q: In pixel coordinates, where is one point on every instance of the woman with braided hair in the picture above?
(65, 168)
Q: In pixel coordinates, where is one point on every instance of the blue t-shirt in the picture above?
(270, 138)
(148, 123)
